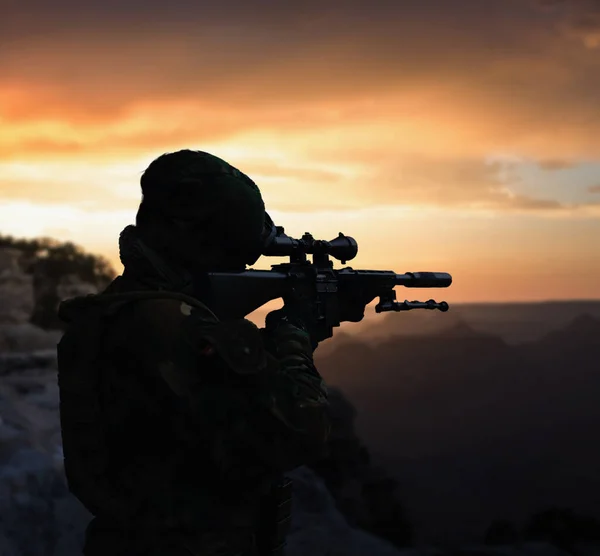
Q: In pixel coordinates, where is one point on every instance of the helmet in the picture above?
(202, 211)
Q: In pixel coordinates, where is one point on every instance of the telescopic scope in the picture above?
(342, 248)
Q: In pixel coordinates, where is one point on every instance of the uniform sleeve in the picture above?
(253, 400)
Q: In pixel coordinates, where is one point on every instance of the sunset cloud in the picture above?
(487, 111)
(304, 186)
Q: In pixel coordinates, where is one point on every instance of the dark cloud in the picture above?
(496, 68)
(555, 164)
(581, 18)
(105, 52)
(243, 54)
(293, 15)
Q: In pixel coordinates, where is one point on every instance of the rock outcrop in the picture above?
(34, 279)
(364, 493)
(16, 289)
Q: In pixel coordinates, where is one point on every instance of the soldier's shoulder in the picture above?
(150, 320)
(182, 325)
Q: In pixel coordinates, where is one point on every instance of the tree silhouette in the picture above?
(49, 260)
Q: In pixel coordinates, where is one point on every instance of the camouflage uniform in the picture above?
(177, 428)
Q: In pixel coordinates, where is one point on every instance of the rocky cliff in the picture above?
(38, 516)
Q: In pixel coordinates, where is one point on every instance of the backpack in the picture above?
(82, 358)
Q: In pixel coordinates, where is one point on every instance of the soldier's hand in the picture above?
(283, 316)
(286, 317)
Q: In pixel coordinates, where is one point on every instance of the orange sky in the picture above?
(458, 136)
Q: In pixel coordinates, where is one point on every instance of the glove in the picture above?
(279, 318)
(284, 316)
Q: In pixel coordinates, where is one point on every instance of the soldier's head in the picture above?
(201, 212)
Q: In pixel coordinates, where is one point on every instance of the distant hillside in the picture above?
(515, 323)
(476, 429)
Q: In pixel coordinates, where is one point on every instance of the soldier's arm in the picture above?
(257, 409)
